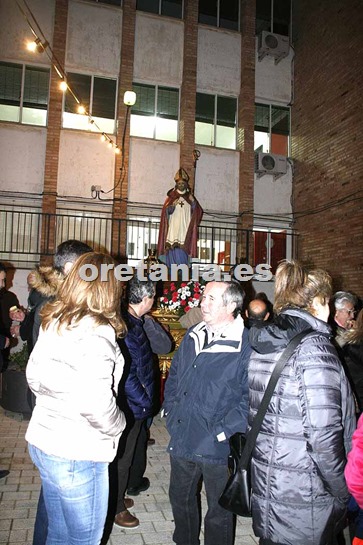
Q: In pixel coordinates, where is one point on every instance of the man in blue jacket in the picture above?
(136, 389)
(206, 401)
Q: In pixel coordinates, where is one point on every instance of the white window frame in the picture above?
(21, 109)
(215, 124)
(160, 10)
(266, 142)
(72, 120)
(218, 25)
(143, 129)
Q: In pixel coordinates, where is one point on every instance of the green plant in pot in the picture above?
(15, 394)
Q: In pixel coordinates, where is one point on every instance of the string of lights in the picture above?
(41, 44)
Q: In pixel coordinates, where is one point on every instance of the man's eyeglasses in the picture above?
(351, 312)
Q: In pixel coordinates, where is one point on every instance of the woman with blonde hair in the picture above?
(299, 491)
(74, 371)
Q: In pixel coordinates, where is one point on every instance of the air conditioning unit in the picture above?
(274, 45)
(270, 163)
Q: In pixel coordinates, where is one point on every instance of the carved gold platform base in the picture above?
(177, 332)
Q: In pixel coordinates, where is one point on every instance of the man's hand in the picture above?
(351, 324)
(17, 315)
(15, 330)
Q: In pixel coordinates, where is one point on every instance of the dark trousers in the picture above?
(122, 463)
(184, 493)
(139, 460)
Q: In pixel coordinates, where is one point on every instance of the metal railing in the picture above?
(21, 237)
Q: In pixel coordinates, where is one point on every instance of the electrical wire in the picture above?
(58, 66)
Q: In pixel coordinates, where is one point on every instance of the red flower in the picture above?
(173, 298)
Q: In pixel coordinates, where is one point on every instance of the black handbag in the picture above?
(236, 496)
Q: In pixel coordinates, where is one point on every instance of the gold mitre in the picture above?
(181, 174)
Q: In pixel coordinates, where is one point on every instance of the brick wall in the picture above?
(49, 203)
(121, 179)
(327, 138)
(246, 117)
(189, 88)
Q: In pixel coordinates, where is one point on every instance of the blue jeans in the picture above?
(41, 522)
(184, 497)
(76, 495)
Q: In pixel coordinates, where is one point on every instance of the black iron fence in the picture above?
(26, 236)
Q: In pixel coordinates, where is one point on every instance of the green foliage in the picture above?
(19, 359)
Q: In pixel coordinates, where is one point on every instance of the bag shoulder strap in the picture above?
(257, 421)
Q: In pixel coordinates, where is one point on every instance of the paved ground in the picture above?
(19, 493)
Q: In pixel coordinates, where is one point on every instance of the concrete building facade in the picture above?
(231, 85)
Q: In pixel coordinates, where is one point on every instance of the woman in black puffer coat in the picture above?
(299, 491)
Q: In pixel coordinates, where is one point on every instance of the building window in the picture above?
(111, 2)
(171, 8)
(155, 113)
(24, 92)
(272, 129)
(215, 121)
(98, 96)
(269, 247)
(219, 13)
(273, 16)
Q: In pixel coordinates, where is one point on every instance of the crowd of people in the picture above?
(93, 380)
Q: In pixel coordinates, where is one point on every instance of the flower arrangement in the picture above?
(180, 297)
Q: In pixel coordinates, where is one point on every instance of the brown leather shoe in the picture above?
(126, 520)
(129, 502)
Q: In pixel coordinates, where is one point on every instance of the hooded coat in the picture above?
(299, 492)
(46, 283)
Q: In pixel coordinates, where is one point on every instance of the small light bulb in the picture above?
(31, 46)
(117, 150)
(81, 109)
(110, 144)
(63, 86)
(103, 137)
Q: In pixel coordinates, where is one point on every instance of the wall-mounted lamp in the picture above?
(96, 191)
(129, 98)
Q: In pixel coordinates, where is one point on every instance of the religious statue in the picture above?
(180, 217)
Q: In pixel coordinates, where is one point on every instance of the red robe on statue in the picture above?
(188, 241)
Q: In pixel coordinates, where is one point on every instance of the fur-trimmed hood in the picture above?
(47, 280)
